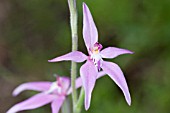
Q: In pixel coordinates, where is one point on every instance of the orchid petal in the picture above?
(75, 56)
(56, 104)
(88, 73)
(66, 83)
(79, 82)
(112, 52)
(35, 101)
(115, 73)
(101, 74)
(90, 33)
(36, 86)
(78, 85)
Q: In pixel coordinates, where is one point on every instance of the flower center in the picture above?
(56, 87)
(95, 55)
(95, 50)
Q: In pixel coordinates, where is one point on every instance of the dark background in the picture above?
(33, 31)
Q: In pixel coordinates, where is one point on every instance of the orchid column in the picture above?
(73, 23)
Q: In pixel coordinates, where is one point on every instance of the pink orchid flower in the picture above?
(95, 62)
(50, 92)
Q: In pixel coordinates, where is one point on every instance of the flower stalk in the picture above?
(80, 101)
(73, 23)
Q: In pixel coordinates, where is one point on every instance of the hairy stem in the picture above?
(80, 101)
(73, 23)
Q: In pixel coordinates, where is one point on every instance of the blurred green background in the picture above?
(33, 31)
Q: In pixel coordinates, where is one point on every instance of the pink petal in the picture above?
(101, 74)
(56, 104)
(75, 56)
(79, 82)
(32, 103)
(78, 85)
(65, 83)
(37, 86)
(90, 33)
(115, 73)
(112, 52)
(88, 73)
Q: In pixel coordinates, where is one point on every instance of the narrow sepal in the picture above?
(88, 73)
(112, 52)
(75, 56)
(115, 73)
(90, 33)
(56, 104)
(36, 86)
(35, 101)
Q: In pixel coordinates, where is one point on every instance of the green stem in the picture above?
(73, 23)
(80, 101)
